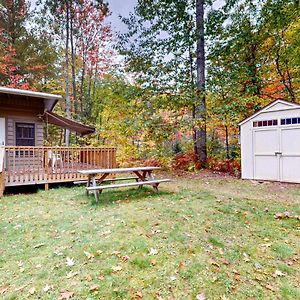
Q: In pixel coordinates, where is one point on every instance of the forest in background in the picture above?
(139, 88)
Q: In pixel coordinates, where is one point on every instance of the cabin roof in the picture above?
(49, 100)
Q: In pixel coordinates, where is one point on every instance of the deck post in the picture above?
(46, 186)
(2, 172)
(2, 183)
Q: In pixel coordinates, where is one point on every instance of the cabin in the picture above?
(270, 143)
(24, 157)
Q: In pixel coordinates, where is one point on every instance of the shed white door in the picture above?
(2, 132)
(277, 154)
(290, 154)
(266, 157)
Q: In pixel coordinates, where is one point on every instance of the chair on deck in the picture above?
(54, 159)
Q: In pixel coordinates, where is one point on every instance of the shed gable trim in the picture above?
(272, 107)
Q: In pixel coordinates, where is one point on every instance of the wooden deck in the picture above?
(44, 165)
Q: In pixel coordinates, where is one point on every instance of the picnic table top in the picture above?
(117, 170)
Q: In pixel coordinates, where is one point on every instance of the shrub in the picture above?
(231, 166)
(184, 161)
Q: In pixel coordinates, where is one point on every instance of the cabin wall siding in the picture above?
(11, 129)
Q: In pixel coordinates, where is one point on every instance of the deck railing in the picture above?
(43, 165)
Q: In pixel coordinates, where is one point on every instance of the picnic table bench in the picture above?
(143, 176)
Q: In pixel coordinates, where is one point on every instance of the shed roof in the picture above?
(49, 100)
(275, 105)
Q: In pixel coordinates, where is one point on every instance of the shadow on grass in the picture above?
(111, 197)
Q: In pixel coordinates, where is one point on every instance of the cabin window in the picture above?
(25, 134)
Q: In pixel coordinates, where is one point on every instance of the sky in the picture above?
(120, 7)
(124, 7)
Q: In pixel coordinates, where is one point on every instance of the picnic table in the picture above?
(142, 176)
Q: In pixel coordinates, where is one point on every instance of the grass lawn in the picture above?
(205, 238)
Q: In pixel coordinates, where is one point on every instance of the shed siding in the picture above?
(11, 125)
(247, 151)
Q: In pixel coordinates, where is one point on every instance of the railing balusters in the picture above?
(33, 165)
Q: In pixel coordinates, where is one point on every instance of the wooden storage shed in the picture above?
(270, 143)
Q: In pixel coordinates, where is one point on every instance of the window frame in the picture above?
(31, 138)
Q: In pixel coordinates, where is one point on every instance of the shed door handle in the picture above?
(278, 153)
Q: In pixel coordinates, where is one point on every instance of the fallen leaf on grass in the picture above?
(55, 234)
(155, 224)
(58, 253)
(179, 268)
(89, 277)
(236, 277)
(125, 258)
(94, 288)
(270, 287)
(153, 251)
(283, 215)
(153, 262)
(138, 295)
(116, 268)
(70, 261)
(246, 257)
(99, 252)
(32, 290)
(214, 263)
(47, 288)
(104, 233)
(38, 245)
(225, 261)
(278, 273)
(3, 289)
(65, 295)
(89, 255)
(20, 288)
(201, 296)
(116, 253)
(266, 246)
(71, 274)
(257, 265)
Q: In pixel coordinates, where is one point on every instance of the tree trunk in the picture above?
(82, 104)
(68, 103)
(73, 62)
(227, 141)
(88, 100)
(200, 109)
(192, 88)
